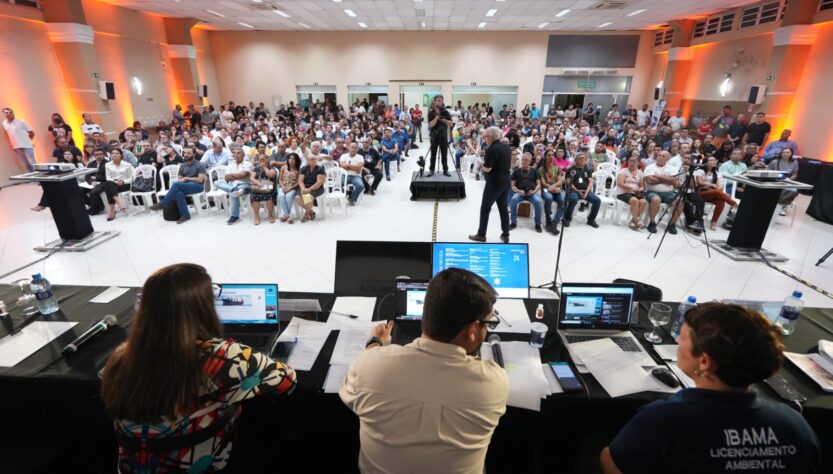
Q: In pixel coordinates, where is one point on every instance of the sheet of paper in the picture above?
(300, 306)
(16, 347)
(514, 318)
(527, 383)
(667, 351)
(617, 371)
(311, 336)
(685, 379)
(360, 306)
(350, 343)
(334, 378)
(554, 386)
(109, 294)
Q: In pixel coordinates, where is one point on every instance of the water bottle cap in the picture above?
(797, 294)
(692, 299)
(36, 276)
(540, 305)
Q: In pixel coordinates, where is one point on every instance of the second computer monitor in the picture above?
(504, 266)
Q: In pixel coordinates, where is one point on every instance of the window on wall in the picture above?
(663, 37)
(714, 25)
(26, 3)
(826, 5)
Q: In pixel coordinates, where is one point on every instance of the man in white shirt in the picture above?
(430, 406)
(353, 163)
(643, 117)
(677, 122)
(20, 138)
(88, 128)
(236, 182)
(661, 183)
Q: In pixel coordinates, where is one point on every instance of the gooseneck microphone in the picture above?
(89, 334)
(497, 355)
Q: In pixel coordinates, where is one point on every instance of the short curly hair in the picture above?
(745, 346)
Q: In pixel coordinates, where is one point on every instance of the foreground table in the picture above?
(55, 421)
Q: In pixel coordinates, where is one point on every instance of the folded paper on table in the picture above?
(617, 371)
(527, 383)
(16, 347)
(310, 337)
(360, 306)
(514, 313)
(335, 375)
(350, 343)
(109, 294)
(815, 366)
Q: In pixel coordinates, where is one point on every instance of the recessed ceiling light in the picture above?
(282, 13)
(482, 24)
(304, 25)
(256, 1)
(350, 13)
(636, 12)
(607, 23)
(562, 12)
(215, 13)
(422, 24)
(544, 24)
(362, 24)
(491, 12)
(337, 1)
(245, 24)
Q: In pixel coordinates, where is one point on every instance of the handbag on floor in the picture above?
(171, 212)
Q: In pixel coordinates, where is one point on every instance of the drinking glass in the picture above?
(660, 315)
(26, 298)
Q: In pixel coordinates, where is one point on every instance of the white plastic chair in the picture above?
(606, 194)
(609, 167)
(144, 172)
(172, 171)
(219, 197)
(335, 185)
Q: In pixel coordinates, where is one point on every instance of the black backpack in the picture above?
(170, 212)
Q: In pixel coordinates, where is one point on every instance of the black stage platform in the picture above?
(437, 186)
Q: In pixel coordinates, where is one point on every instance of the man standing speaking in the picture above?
(496, 171)
(439, 123)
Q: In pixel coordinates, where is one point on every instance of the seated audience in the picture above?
(526, 184)
(631, 184)
(263, 188)
(722, 425)
(430, 406)
(661, 184)
(353, 164)
(390, 150)
(176, 404)
(552, 190)
(579, 180)
(218, 155)
(311, 180)
(711, 191)
(190, 180)
(773, 150)
(372, 166)
(734, 166)
(236, 182)
(92, 194)
(119, 174)
(785, 161)
(288, 186)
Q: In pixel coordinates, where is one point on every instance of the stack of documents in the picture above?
(617, 371)
(527, 382)
(513, 317)
(309, 337)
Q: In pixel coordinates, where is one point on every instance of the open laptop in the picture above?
(410, 298)
(249, 313)
(590, 311)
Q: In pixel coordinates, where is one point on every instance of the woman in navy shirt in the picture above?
(722, 425)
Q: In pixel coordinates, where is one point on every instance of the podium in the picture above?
(68, 210)
(760, 199)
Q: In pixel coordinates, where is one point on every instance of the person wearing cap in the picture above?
(439, 122)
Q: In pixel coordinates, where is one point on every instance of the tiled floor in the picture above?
(301, 257)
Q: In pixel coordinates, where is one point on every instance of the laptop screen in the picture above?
(504, 266)
(410, 298)
(239, 303)
(596, 306)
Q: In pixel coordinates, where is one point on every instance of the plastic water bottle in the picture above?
(539, 312)
(684, 307)
(790, 312)
(47, 304)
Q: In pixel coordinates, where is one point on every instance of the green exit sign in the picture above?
(586, 84)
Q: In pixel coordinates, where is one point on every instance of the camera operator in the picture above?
(439, 123)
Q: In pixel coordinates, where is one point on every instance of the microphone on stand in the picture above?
(497, 355)
(89, 334)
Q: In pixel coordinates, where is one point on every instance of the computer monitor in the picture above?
(410, 298)
(247, 303)
(595, 306)
(504, 266)
(371, 268)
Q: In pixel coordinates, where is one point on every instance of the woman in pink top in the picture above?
(561, 160)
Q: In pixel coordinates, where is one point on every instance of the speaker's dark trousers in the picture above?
(495, 193)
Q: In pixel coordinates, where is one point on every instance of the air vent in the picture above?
(610, 5)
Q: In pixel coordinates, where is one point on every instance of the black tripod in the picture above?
(821, 260)
(678, 200)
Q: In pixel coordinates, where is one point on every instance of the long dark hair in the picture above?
(157, 372)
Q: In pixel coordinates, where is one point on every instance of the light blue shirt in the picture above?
(774, 148)
(210, 159)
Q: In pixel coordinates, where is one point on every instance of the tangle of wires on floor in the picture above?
(794, 277)
(51, 252)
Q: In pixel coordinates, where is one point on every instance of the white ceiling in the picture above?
(455, 15)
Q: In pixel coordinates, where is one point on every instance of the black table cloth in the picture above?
(54, 420)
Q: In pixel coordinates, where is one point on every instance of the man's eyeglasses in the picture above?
(489, 323)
